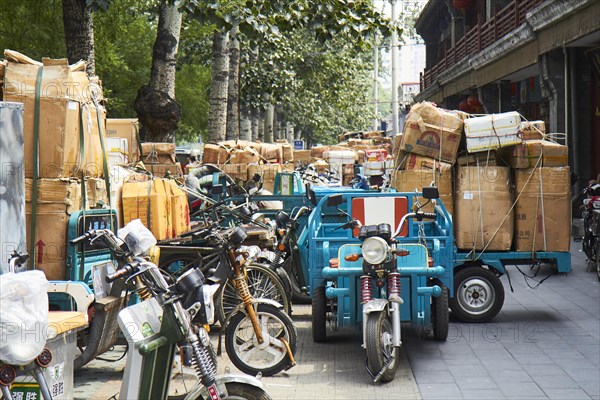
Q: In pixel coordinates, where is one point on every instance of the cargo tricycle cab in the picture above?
(424, 258)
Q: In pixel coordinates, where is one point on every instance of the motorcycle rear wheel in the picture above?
(247, 354)
(235, 391)
(378, 340)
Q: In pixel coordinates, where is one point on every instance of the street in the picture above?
(545, 343)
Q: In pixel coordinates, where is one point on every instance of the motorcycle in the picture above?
(17, 356)
(379, 287)
(259, 336)
(171, 314)
(591, 225)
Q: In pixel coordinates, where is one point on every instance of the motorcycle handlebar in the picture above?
(121, 273)
(81, 238)
(429, 215)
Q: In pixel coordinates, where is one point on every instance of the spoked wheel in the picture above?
(478, 295)
(269, 357)
(380, 349)
(263, 282)
(440, 318)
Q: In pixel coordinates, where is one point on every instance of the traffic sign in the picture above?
(298, 144)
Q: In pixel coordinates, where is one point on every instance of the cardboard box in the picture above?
(417, 162)
(532, 130)
(215, 154)
(150, 202)
(64, 90)
(484, 217)
(302, 156)
(125, 128)
(492, 131)
(180, 211)
(158, 153)
(244, 156)
(238, 172)
(267, 172)
(163, 170)
(272, 152)
(433, 132)
(489, 158)
(543, 210)
(318, 151)
(57, 200)
(408, 181)
(527, 154)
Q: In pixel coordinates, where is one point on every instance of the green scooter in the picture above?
(171, 314)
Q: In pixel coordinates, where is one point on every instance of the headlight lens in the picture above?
(374, 250)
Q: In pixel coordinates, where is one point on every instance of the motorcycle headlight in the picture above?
(374, 250)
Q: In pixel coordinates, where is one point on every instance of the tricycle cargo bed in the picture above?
(500, 259)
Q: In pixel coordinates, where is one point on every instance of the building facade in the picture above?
(538, 57)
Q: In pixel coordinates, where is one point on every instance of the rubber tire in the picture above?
(461, 278)
(236, 390)
(297, 296)
(319, 315)
(440, 316)
(598, 259)
(290, 333)
(589, 240)
(377, 324)
(228, 290)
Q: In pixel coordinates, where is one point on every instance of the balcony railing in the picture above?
(480, 36)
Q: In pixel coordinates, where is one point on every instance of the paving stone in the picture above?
(440, 391)
(571, 394)
(475, 382)
(522, 390)
(555, 382)
(482, 394)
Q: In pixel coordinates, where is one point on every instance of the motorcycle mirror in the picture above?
(217, 189)
(334, 200)
(256, 178)
(431, 192)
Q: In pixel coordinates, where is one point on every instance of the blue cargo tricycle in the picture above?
(372, 263)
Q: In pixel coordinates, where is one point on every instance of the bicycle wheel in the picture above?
(263, 283)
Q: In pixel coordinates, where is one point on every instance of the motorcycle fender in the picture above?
(200, 391)
(374, 305)
(240, 307)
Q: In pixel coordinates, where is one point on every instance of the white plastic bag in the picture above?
(139, 239)
(23, 316)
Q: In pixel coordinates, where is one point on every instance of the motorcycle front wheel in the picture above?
(269, 357)
(379, 345)
(263, 283)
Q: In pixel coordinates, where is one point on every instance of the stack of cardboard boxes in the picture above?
(241, 159)
(511, 186)
(159, 159)
(63, 145)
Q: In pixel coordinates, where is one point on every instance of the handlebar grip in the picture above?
(429, 215)
(126, 270)
(80, 238)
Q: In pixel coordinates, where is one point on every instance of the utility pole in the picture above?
(375, 82)
(394, 52)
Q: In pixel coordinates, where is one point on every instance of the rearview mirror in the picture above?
(431, 192)
(256, 178)
(334, 200)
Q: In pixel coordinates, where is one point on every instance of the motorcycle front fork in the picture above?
(241, 285)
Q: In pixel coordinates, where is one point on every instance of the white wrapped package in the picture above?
(23, 316)
(139, 239)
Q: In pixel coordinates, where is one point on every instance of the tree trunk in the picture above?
(79, 33)
(217, 117)
(255, 121)
(268, 123)
(245, 123)
(155, 104)
(233, 88)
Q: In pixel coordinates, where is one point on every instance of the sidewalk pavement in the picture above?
(545, 343)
